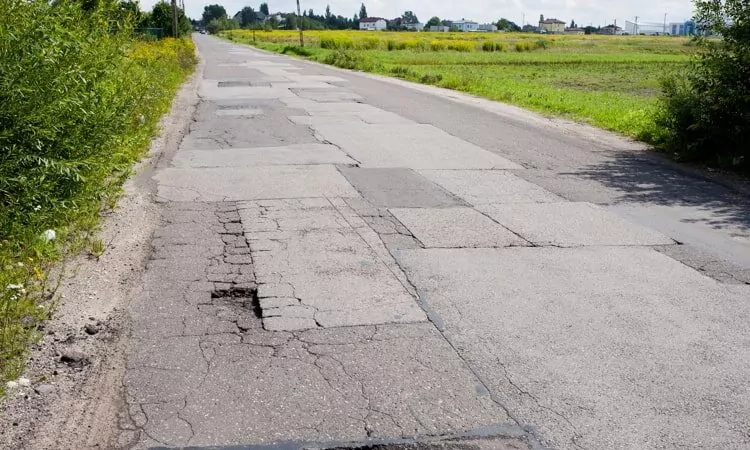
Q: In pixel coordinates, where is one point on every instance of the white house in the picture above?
(373, 24)
(465, 25)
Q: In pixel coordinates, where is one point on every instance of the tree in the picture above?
(161, 17)
(264, 9)
(705, 112)
(223, 23)
(573, 24)
(362, 12)
(213, 12)
(433, 22)
(506, 25)
(247, 16)
(409, 18)
(589, 30)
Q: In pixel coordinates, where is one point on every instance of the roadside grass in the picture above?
(80, 105)
(611, 82)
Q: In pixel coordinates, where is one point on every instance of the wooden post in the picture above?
(175, 31)
(299, 25)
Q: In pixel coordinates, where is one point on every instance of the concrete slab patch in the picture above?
(319, 78)
(571, 224)
(239, 112)
(347, 120)
(563, 337)
(327, 265)
(328, 96)
(348, 385)
(455, 228)
(398, 188)
(232, 183)
(296, 154)
(211, 91)
(413, 146)
(304, 85)
(489, 186)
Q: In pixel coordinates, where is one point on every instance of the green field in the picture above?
(611, 82)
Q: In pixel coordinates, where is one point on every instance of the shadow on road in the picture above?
(641, 180)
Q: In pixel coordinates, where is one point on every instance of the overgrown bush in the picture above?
(79, 101)
(705, 111)
(347, 59)
(296, 50)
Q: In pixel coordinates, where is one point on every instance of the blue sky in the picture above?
(584, 12)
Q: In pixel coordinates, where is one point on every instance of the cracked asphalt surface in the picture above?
(347, 261)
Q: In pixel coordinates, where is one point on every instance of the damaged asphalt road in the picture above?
(341, 261)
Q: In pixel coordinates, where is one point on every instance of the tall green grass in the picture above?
(80, 98)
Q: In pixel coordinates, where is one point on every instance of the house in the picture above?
(373, 24)
(440, 28)
(552, 26)
(465, 25)
(490, 27)
(610, 30)
(575, 30)
(530, 29)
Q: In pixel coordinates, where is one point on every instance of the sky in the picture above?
(584, 12)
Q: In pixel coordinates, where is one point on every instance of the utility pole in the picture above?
(665, 24)
(635, 31)
(299, 25)
(175, 31)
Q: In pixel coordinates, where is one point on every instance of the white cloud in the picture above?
(584, 12)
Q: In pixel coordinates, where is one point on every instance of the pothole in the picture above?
(243, 297)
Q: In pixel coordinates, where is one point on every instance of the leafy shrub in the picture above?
(348, 60)
(431, 78)
(368, 43)
(296, 50)
(403, 72)
(438, 46)
(705, 111)
(391, 45)
(336, 43)
(523, 46)
(80, 100)
(462, 46)
(490, 46)
(542, 43)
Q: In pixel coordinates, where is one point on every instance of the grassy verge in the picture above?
(611, 82)
(81, 101)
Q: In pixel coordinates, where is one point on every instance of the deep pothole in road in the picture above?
(245, 298)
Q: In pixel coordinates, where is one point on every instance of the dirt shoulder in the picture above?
(74, 395)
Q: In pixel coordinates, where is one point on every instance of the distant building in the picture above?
(686, 28)
(575, 30)
(373, 24)
(413, 26)
(530, 29)
(465, 25)
(490, 27)
(552, 26)
(610, 30)
(440, 28)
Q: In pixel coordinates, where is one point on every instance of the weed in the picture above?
(97, 247)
